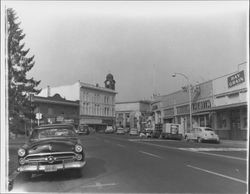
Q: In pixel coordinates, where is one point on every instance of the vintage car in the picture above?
(51, 148)
(134, 131)
(83, 130)
(202, 134)
(109, 129)
(120, 131)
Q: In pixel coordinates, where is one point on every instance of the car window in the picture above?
(52, 132)
(208, 129)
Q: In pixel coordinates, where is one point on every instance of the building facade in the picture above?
(132, 114)
(96, 104)
(230, 99)
(56, 109)
(220, 103)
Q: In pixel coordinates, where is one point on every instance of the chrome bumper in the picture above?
(37, 168)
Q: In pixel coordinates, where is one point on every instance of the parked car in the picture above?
(172, 131)
(134, 131)
(126, 129)
(156, 133)
(109, 129)
(202, 134)
(149, 132)
(120, 131)
(83, 130)
(51, 148)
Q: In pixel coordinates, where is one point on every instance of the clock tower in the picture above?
(110, 82)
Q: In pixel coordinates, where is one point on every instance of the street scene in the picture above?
(129, 164)
(124, 97)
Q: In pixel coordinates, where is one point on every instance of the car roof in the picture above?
(54, 125)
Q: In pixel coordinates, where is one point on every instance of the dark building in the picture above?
(56, 109)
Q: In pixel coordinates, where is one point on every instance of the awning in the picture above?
(200, 113)
(229, 106)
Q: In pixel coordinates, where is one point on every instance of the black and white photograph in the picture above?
(124, 96)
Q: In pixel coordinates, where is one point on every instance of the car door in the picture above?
(192, 134)
(198, 133)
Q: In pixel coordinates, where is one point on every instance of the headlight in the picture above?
(79, 156)
(78, 148)
(21, 161)
(21, 152)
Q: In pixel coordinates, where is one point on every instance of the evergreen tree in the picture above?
(19, 86)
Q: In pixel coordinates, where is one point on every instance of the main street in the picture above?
(125, 164)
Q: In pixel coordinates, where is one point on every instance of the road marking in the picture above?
(211, 154)
(123, 146)
(214, 149)
(150, 154)
(148, 140)
(218, 174)
(98, 185)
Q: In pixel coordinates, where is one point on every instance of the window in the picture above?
(221, 120)
(202, 121)
(50, 111)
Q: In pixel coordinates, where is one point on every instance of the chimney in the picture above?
(48, 91)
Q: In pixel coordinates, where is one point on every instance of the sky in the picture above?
(141, 43)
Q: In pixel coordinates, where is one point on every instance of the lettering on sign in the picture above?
(236, 79)
(201, 105)
(154, 107)
(183, 109)
(169, 112)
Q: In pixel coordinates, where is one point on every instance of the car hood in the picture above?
(52, 145)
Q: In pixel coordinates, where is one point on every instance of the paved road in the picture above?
(132, 165)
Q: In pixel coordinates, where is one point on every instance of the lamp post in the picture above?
(189, 95)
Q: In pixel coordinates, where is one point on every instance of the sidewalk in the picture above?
(242, 143)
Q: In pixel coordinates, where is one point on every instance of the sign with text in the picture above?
(168, 112)
(202, 105)
(236, 79)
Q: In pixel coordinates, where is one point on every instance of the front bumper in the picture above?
(39, 168)
(211, 139)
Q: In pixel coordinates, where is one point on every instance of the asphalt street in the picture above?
(126, 164)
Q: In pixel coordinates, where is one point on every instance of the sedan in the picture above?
(202, 134)
(134, 131)
(51, 148)
(120, 131)
(83, 130)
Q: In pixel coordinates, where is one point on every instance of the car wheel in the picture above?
(199, 140)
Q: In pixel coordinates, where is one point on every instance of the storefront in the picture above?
(230, 110)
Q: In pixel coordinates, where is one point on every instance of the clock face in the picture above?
(108, 82)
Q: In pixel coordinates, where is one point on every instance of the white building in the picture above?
(96, 103)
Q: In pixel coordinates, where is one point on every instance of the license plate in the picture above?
(50, 168)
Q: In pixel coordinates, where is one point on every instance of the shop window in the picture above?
(221, 120)
(50, 111)
(245, 122)
(202, 121)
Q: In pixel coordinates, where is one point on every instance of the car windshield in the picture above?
(52, 133)
(208, 129)
(83, 127)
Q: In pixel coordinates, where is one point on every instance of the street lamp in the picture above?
(190, 98)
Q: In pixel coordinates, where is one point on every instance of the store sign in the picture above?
(168, 112)
(59, 118)
(202, 105)
(154, 107)
(236, 79)
(183, 109)
(107, 121)
(92, 121)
